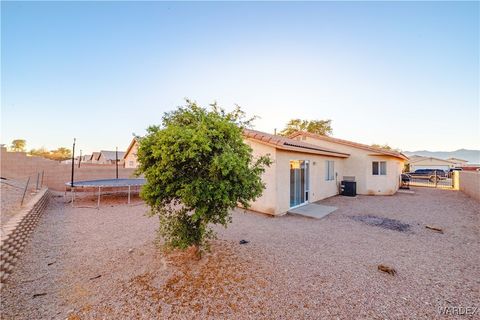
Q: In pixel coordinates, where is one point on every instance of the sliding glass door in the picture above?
(299, 182)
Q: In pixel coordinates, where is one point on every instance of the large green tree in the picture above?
(18, 145)
(321, 127)
(198, 168)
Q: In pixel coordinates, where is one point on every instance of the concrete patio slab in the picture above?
(406, 191)
(313, 210)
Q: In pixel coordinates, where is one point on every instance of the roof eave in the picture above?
(310, 151)
(299, 149)
(366, 148)
(381, 154)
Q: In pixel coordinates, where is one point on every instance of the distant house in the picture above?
(95, 157)
(419, 162)
(414, 158)
(107, 157)
(458, 162)
(130, 157)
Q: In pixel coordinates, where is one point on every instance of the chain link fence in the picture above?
(16, 192)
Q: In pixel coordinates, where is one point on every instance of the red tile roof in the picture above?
(351, 144)
(288, 144)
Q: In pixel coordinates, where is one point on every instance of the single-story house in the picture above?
(308, 168)
(376, 170)
(300, 172)
(130, 157)
(458, 162)
(430, 163)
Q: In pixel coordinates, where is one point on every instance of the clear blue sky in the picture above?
(406, 74)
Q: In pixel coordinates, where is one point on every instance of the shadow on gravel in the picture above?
(385, 223)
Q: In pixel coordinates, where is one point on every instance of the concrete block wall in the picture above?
(16, 165)
(469, 182)
(16, 232)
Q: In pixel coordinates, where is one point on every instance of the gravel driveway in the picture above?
(93, 264)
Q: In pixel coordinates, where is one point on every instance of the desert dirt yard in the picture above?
(86, 263)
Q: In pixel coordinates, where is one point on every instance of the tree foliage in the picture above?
(59, 154)
(40, 152)
(198, 168)
(321, 127)
(382, 146)
(18, 145)
(385, 147)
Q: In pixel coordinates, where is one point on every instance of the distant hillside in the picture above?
(473, 156)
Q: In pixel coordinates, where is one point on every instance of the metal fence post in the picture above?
(98, 200)
(72, 192)
(25, 191)
(41, 183)
(38, 180)
(436, 179)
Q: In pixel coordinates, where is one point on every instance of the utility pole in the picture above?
(73, 162)
(116, 160)
(80, 158)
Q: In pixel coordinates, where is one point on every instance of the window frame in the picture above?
(329, 170)
(381, 168)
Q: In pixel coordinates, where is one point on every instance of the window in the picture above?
(379, 168)
(130, 163)
(329, 169)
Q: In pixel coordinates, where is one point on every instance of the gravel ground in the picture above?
(11, 197)
(95, 264)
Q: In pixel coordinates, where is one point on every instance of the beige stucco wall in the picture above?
(470, 183)
(275, 199)
(267, 203)
(320, 188)
(383, 184)
(359, 165)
